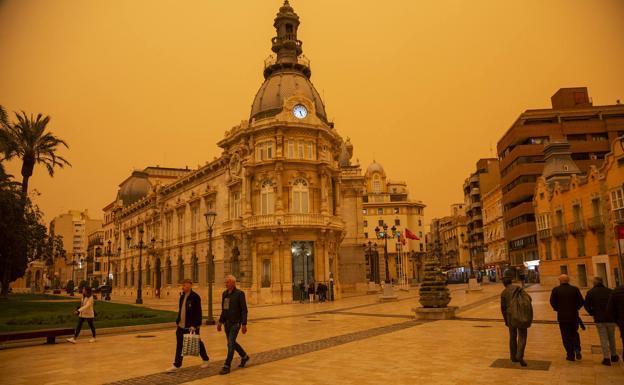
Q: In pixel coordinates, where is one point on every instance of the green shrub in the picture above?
(95, 284)
(81, 285)
(70, 286)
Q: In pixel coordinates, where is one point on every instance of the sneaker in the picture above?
(606, 362)
(204, 364)
(615, 358)
(172, 369)
(92, 339)
(72, 340)
(224, 370)
(243, 361)
(579, 356)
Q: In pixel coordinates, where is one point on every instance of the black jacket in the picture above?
(596, 303)
(566, 300)
(615, 306)
(237, 307)
(193, 310)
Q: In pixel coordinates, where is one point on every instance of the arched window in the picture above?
(376, 184)
(180, 269)
(194, 268)
(300, 196)
(169, 272)
(148, 273)
(267, 198)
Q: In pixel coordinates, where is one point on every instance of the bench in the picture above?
(49, 334)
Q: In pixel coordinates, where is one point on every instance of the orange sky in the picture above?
(426, 87)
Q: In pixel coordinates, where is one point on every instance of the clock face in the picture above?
(300, 111)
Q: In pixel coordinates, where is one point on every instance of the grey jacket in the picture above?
(506, 296)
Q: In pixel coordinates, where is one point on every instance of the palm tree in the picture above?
(28, 140)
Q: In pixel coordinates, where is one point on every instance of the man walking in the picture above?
(566, 300)
(615, 307)
(517, 331)
(596, 302)
(189, 320)
(234, 318)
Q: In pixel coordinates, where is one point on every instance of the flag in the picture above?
(620, 232)
(410, 235)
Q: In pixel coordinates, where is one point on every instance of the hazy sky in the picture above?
(426, 87)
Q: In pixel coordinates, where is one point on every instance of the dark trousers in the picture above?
(180, 332)
(79, 326)
(231, 332)
(621, 327)
(570, 337)
(517, 343)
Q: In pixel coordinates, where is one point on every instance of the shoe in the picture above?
(579, 356)
(615, 358)
(204, 364)
(92, 339)
(72, 340)
(570, 358)
(513, 360)
(606, 362)
(172, 369)
(224, 370)
(243, 362)
(523, 363)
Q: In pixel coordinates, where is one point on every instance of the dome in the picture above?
(375, 167)
(134, 188)
(281, 85)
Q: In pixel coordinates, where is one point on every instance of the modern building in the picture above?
(74, 226)
(479, 183)
(577, 214)
(288, 202)
(589, 129)
(387, 202)
(496, 259)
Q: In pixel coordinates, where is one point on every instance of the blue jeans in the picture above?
(231, 332)
(606, 332)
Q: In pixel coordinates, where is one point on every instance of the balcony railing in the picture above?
(559, 231)
(544, 234)
(576, 227)
(596, 223)
(271, 220)
(475, 191)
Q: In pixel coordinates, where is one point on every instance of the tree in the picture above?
(28, 140)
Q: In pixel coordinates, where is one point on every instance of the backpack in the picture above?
(520, 309)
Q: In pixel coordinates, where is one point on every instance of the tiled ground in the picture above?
(352, 341)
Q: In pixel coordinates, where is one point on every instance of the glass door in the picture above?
(302, 266)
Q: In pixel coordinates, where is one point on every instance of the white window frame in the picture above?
(267, 198)
(300, 202)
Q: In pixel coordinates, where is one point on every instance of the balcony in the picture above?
(544, 234)
(475, 205)
(559, 231)
(576, 227)
(272, 220)
(596, 223)
(475, 191)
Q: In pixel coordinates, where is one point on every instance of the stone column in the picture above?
(324, 197)
(246, 191)
(279, 202)
(338, 195)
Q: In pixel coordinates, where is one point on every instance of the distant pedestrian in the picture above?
(615, 307)
(566, 300)
(85, 313)
(517, 312)
(189, 320)
(311, 291)
(234, 318)
(302, 292)
(596, 302)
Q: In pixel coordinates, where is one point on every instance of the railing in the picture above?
(475, 191)
(596, 223)
(271, 220)
(576, 227)
(544, 234)
(559, 231)
(272, 59)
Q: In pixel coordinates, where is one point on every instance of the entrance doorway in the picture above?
(302, 266)
(157, 278)
(582, 275)
(601, 271)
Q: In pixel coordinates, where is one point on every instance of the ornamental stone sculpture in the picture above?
(433, 291)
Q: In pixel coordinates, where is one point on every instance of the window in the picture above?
(580, 240)
(365, 211)
(168, 227)
(563, 251)
(576, 212)
(617, 199)
(267, 198)
(596, 207)
(380, 222)
(365, 223)
(366, 235)
(266, 273)
(309, 150)
(169, 272)
(380, 211)
(602, 242)
(300, 149)
(548, 249)
(180, 226)
(376, 184)
(291, 149)
(419, 222)
(235, 205)
(264, 151)
(194, 219)
(563, 269)
(600, 137)
(396, 210)
(397, 222)
(300, 196)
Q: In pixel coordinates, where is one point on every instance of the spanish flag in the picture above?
(410, 235)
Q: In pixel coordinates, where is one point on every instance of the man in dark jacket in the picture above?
(189, 320)
(596, 302)
(234, 317)
(517, 336)
(615, 307)
(566, 300)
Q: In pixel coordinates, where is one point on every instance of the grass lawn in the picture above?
(40, 311)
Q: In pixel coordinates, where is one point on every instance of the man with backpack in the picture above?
(566, 300)
(518, 315)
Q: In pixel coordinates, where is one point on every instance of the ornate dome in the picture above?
(134, 188)
(281, 85)
(375, 167)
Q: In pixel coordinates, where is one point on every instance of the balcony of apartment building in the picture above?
(577, 227)
(518, 193)
(475, 192)
(519, 209)
(596, 223)
(544, 233)
(521, 150)
(559, 231)
(520, 230)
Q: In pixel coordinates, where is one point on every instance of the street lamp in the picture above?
(383, 234)
(210, 220)
(139, 299)
(369, 247)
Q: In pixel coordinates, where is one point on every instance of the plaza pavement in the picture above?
(352, 341)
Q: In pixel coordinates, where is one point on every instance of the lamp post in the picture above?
(210, 220)
(388, 293)
(139, 299)
(369, 247)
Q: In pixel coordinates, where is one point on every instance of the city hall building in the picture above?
(287, 199)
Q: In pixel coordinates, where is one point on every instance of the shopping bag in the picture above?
(190, 344)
